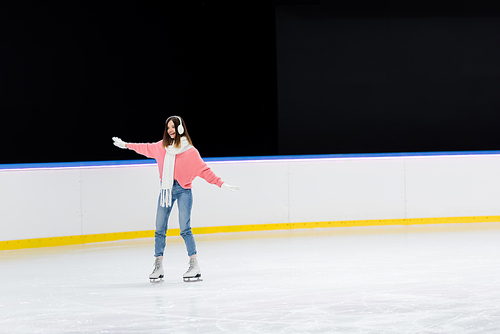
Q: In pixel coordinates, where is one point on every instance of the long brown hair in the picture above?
(167, 141)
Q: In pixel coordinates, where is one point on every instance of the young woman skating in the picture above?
(179, 163)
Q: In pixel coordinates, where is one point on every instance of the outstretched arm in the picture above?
(149, 150)
(208, 175)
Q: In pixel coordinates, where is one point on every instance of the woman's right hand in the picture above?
(119, 143)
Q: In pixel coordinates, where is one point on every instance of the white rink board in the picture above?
(119, 199)
(37, 203)
(453, 186)
(263, 198)
(347, 189)
(40, 203)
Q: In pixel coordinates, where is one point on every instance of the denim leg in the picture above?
(185, 203)
(162, 214)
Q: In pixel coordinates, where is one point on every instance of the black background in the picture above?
(73, 74)
(388, 78)
(249, 78)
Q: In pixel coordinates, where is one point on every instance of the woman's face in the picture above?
(171, 129)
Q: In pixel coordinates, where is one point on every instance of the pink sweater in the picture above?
(188, 165)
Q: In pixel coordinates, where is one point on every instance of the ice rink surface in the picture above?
(417, 279)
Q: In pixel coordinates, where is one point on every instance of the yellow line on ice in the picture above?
(91, 238)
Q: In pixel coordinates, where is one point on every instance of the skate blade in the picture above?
(192, 280)
(196, 278)
(156, 280)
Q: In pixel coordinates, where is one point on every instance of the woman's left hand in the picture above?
(230, 187)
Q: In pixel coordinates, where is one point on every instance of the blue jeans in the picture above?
(184, 199)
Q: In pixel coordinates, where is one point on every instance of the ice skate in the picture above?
(193, 274)
(157, 274)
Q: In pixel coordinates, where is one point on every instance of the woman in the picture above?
(179, 163)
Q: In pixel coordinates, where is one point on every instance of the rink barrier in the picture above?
(432, 184)
(106, 237)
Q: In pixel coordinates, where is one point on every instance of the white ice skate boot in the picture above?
(193, 274)
(157, 274)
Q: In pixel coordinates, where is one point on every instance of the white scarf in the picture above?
(167, 178)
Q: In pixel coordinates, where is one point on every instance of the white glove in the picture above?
(120, 143)
(230, 187)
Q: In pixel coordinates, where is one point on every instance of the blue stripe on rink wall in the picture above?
(86, 164)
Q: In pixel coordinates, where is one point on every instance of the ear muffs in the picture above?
(180, 128)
